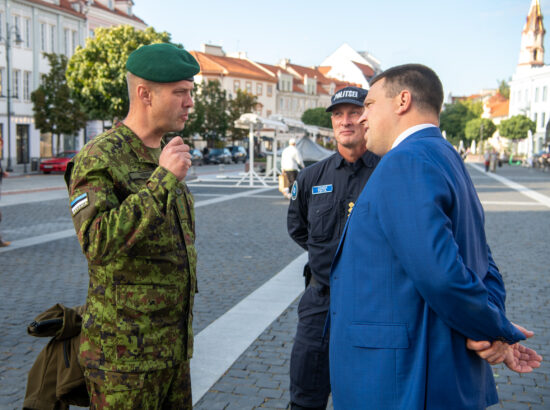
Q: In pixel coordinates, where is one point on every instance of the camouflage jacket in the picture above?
(136, 226)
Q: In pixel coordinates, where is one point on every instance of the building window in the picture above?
(43, 37)
(17, 24)
(281, 104)
(16, 76)
(249, 87)
(259, 89)
(535, 117)
(2, 82)
(52, 39)
(236, 85)
(67, 42)
(28, 33)
(75, 39)
(543, 120)
(27, 86)
(269, 90)
(537, 94)
(544, 90)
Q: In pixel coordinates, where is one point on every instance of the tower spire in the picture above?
(532, 38)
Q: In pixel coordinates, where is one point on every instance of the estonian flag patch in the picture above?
(78, 203)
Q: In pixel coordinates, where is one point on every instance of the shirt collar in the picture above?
(368, 158)
(408, 132)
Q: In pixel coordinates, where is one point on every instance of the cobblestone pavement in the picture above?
(241, 244)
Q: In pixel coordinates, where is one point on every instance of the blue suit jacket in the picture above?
(413, 277)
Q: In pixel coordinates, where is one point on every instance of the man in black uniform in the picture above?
(321, 200)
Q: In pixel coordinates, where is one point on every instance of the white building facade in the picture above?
(530, 85)
(29, 28)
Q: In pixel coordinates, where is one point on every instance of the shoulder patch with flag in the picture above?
(79, 203)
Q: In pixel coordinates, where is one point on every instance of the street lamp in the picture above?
(7, 43)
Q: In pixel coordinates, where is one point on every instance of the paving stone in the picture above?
(241, 244)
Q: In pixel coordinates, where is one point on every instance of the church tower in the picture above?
(532, 38)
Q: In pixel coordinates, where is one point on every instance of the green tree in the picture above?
(210, 116)
(96, 73)
(479, 129)
(243, 103)
(504, 88)
(516, 127)
(55, 111)
(317, 116)
(455, 116)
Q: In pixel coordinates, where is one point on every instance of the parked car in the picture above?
(196, 157)
(238, 153)
(57, 163)
(219, 156)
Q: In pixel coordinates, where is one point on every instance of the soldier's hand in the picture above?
(175, 157)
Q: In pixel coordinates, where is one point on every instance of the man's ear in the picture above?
(144, 93)
(403, 101)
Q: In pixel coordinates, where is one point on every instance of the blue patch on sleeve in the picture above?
(294, 192)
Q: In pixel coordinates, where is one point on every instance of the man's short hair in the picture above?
(423, 83)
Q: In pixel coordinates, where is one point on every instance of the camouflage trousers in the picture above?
(159, 389)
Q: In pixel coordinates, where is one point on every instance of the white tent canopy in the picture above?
(246, 120)
(312, 151)
(255, 123)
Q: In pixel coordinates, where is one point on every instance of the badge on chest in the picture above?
(321, 189)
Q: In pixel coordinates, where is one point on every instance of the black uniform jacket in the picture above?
(322, 198)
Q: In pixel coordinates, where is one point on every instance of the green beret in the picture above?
(162, 63)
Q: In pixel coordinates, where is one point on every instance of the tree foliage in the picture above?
(243, 103)
(317, 116)
(455, 116)
(516, 127)
(210, 116)
(96, 73)
(55, 111)
(504, 88)
(479, 128)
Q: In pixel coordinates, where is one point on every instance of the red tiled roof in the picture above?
(310, 72)
(116, 11)
(324, 69)
(498, 105)
(236, 67)
(367, 71)
(501, 109)
(208, 66)
(64, 5)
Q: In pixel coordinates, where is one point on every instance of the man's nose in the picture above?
(188, 102)
(363, 118)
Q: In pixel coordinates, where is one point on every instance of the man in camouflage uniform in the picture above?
(134, 219)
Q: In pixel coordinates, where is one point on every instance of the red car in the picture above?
(58, 163)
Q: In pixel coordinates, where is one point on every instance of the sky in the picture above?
(471, 44)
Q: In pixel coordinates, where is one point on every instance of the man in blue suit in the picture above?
(413, 277)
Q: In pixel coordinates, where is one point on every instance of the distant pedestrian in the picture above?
(2, 174)
(493, 160)
(487, 160)
(135, 222)
(291, 162)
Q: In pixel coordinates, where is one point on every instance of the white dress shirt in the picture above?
(410, 131)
